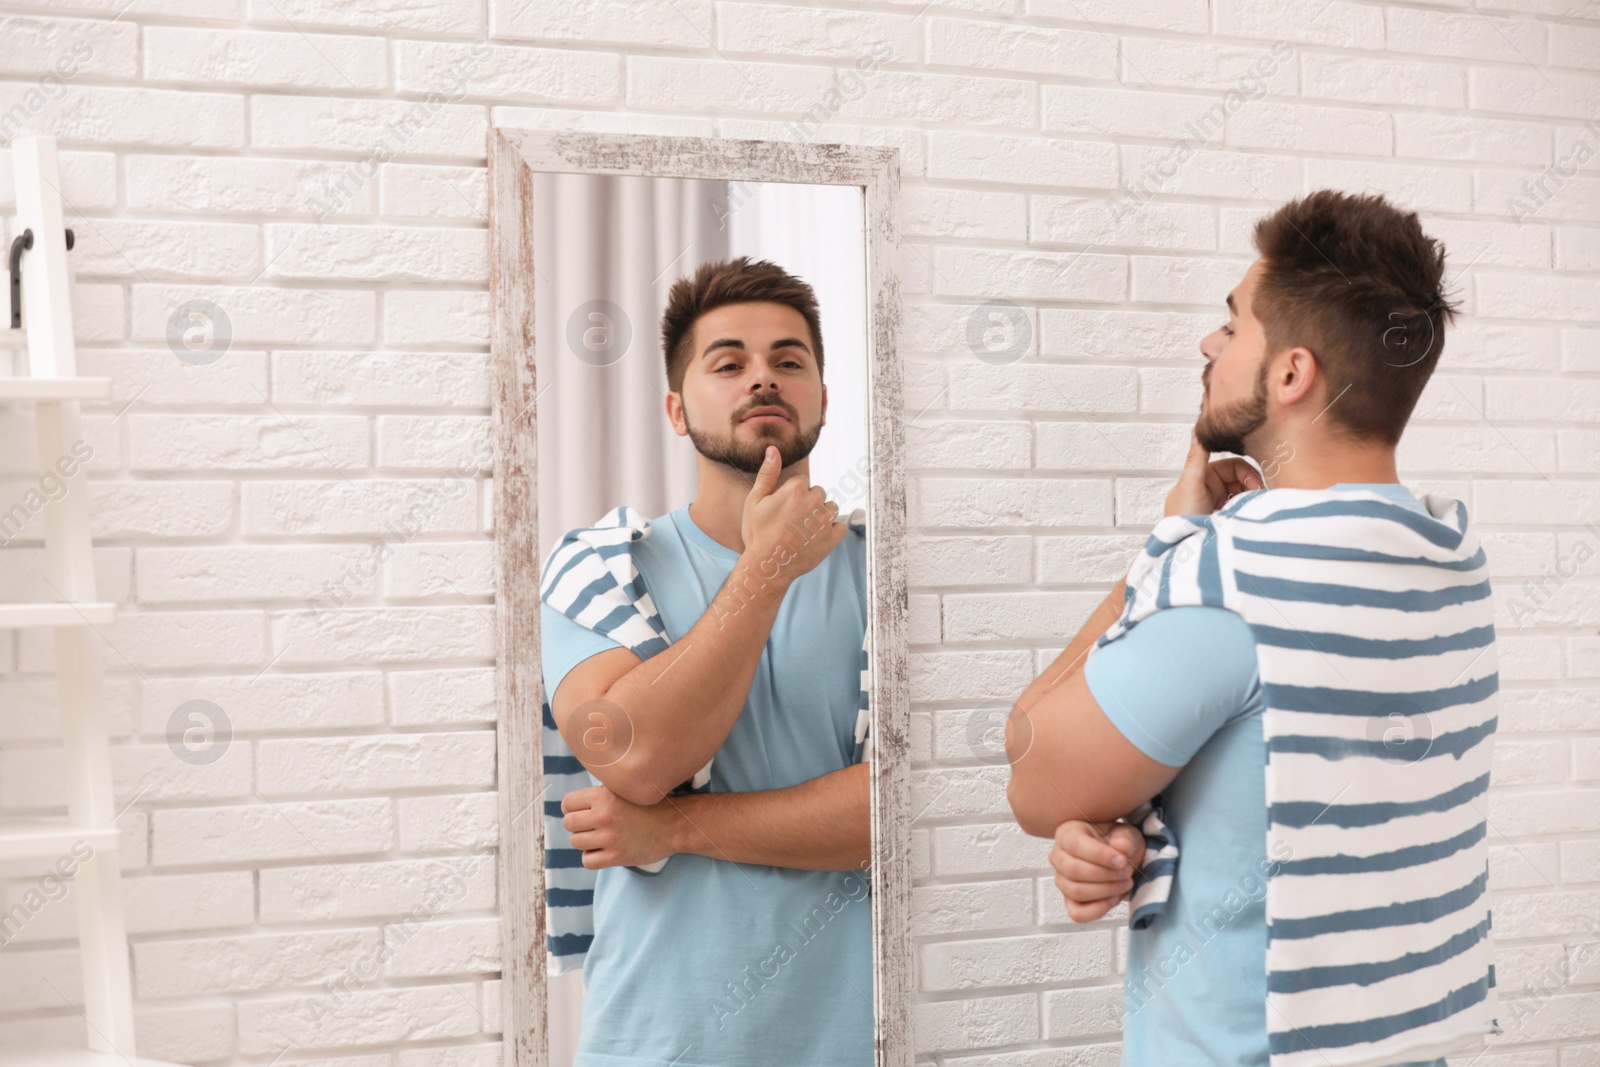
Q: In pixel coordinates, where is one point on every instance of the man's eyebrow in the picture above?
(734, 342)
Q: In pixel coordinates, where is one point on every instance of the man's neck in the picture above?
(1317, 463)
(718, 505)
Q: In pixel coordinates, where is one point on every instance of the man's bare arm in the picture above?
(820, 825)
(643, 727)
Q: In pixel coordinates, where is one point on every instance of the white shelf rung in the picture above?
(18, 616)
(44, 837)
(54, 388)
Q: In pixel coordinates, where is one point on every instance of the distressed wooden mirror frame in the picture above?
(514, 155)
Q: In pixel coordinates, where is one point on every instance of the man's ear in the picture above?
(1304, 373)
(674, 402)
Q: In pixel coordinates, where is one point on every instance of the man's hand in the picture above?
(1206, 485)
(613, 832)
(1094, 864)
(789, 529)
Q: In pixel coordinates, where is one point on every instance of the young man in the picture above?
(752, 944)
(1305, 682)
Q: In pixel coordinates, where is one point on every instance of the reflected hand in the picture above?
(613, 832)
(1094, 865)
(788, 528)
(1205, 485)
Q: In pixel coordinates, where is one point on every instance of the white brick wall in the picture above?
(315, 167)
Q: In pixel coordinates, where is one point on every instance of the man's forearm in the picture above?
(821, 825)
(680, 704)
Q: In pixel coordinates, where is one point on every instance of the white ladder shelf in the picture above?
(53, 387)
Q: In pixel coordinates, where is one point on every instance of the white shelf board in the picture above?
(54, 388)
(18, 616)
(55, 1056)
(44, 836)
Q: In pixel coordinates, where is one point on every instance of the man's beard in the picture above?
(1225, 430)
(745, 455)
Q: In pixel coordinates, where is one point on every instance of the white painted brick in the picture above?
(438, 16)
(1013, 616)
(538, 75)
(68, 47)
(161, 510)
(433, 824)
(441, 697)
(349, 891)
(1086, 557)
(981, 1022)
(1468, 137)
(262, 315)
(970, 445)
(1249, 71)
(251, 185)
(1474, 35)
(1378, 81)
(331, 765)
(685, 24)
(971, 560)
(1543, 297)
(1575, 46)
(779, 29)
(1184, 279)
(1074, 1013)
(461, 444)
(1416, 188)
(275, 701)
(252, 833)
(377, 253)
(1333, 22)
(747, 86)
(934, 212)
(246, 964)
(156, 376)
(1020, 48)
(1041, 387)
(1074, 445)
(360, 1017)
(948, 965)
(969, 675)
(370, 128)
(1123, 335)
(88, 179)
(416, 190)
(1179, 15)
(383, 635)
(453, 570)
(971, 907)
(1552, 93)
(1094, 223)
(1021, 160)
(247, 442)
(1136, 113)
(441, 947)
(984, 272)
(426, 318)
(962, 99)
(289, 60)
(381, 379)
(394, 509)
(165, 903)
(293, 573)
(1312, 128)
(167, 118)
(1202, 172)
(166, 640)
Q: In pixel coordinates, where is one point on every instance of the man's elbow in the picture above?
(1027, 811)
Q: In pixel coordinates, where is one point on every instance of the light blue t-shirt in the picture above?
(1183, 686)
(722, 964)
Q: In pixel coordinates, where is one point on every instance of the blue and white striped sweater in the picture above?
(592, 578)
(1375, 646)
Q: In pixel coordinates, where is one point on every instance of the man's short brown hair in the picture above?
(1356, 281)
(717, 283)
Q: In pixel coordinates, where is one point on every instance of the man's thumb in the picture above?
(767, 476)
(1199, 455)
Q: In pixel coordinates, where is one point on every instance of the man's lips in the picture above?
(766, 416)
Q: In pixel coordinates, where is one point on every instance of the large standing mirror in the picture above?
(700, 514)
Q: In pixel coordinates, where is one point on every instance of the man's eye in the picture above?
(1227, 329)
(725, 366)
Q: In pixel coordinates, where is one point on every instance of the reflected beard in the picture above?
(747, 456)
(1225, 430)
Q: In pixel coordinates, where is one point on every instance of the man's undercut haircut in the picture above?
(717, 283)
(1355, 280)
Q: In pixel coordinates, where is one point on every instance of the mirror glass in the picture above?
(726, 919)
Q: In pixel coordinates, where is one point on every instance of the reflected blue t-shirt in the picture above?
(718, 964)
(1183, 686)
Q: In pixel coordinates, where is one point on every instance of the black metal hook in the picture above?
(18, 246)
